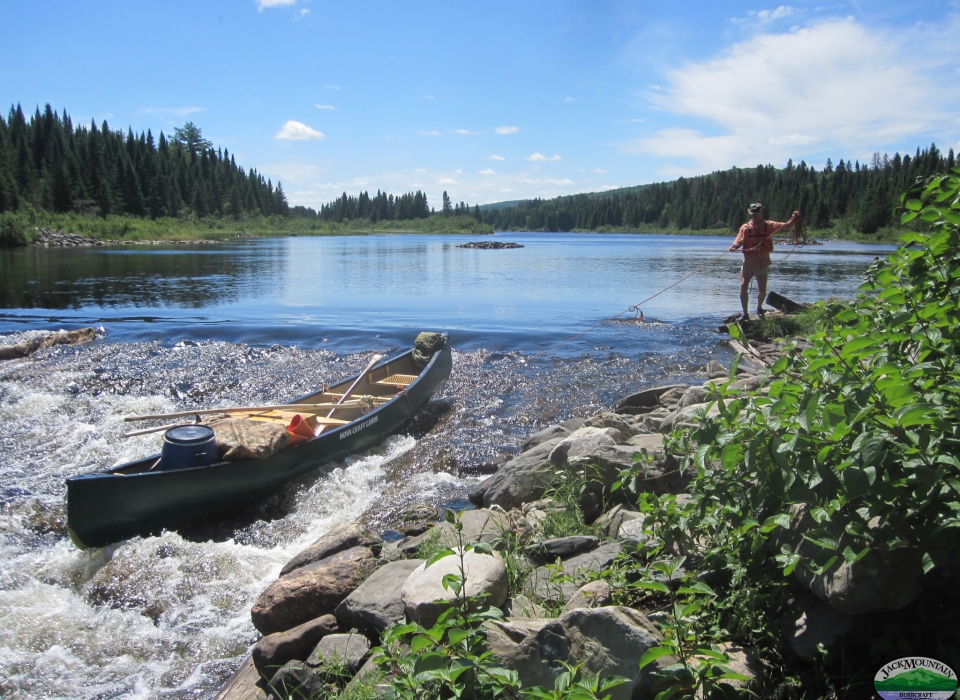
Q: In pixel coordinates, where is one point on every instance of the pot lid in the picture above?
(189, 434)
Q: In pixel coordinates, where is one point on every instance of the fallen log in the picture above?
(29, 347)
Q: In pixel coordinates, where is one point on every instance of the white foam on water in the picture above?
(154, 617)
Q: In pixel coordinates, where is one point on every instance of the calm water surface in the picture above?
(265, 320)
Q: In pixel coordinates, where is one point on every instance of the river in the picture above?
(264, 320)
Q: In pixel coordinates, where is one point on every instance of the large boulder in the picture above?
(551, 432)
(336, 540)
(480, 525)
(376, 603)
(340, 651)
(423, 591)
(547, 583)
(610, 522)
(646, 400)
(520, 606)
(275, 650)
(811, 625)
(609, 641)
(688, 416)
(580, 446)
(296, 681)
(311, 591)
(881, 581)
(616, 421)
(596, 594)
(549, 550)
(523, 479)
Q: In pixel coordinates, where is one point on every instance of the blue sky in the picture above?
(492, 100)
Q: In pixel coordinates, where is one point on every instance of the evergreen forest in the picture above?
(855, 198)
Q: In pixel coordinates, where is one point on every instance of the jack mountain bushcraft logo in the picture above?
(915, 677)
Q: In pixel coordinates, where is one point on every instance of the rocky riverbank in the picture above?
(331, 603)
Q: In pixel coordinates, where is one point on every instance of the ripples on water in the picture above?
(168, 616)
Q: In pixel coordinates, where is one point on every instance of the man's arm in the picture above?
(775, 227)
(738, 241)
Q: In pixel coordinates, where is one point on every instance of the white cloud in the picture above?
(464, 132)
(487, 171)
(496, 157)
(765, 17)
(599, 170)
(429, 97)
(298, 131)
(540, 158)
(459, 171)
(546, 181)
(636, 121)
(432, 132)
(446, 181)
(834, 85)
(332, 87)
(273, 3)
(570, 99)
(419, 170)
(324, 106)
(507, 129)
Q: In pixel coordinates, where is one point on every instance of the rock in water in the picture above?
(311, 591)
(336, 540)
(275, 650)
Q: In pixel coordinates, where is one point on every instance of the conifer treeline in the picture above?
(863, 196)
(51, 164)
(412, 205)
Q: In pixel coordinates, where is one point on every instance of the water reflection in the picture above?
(347, 290)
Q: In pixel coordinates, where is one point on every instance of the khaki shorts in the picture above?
(748, 272)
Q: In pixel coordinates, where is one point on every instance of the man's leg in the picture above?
(762, 289)
(745, 276)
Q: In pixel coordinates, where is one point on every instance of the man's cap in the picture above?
(755, 207)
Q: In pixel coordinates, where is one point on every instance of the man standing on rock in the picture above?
(756, 239)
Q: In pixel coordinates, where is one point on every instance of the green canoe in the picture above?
(136, 499)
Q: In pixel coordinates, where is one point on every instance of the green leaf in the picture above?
(774, 521)
(822, 539)
(913, 205)
(914, 415)
(483, 548)
(652, 586)
(698, 588)
(420, 642)
(437, 557)
(456, 635)
(654, 653)
(855, 482)
(735, 331)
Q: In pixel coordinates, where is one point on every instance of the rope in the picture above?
(635, 308)
(799, 239)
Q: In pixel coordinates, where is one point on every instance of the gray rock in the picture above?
(549, 550)
(672, 397)
(573, 424)
(423, 590)
(311, 591)
(693, 395)
(376, 603)
(748, 383)
(480, 525)
(715, 370)
(648, 398)
(336, 540)
(611, 521)
(612, 420)
(596, 594)
(652, 443)
(340, 651)
(608, 641)
(551, 432)
(580, 446)
(879, 582)
(519, 606)
(547, 584)
(370, 676)
(275, 650)
(686, 416)
(661, 476)
(631, 533)
(811, 625)
(296, 681)
(523, 479)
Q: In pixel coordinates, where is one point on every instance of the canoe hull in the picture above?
(108, 506)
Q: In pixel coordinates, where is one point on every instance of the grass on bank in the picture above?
(19, 228)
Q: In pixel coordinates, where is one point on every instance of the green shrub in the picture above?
(13, 231)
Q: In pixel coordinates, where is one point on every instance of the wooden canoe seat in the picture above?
(287, 416)
(398, 380)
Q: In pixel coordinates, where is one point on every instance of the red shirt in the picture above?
(757, 241)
